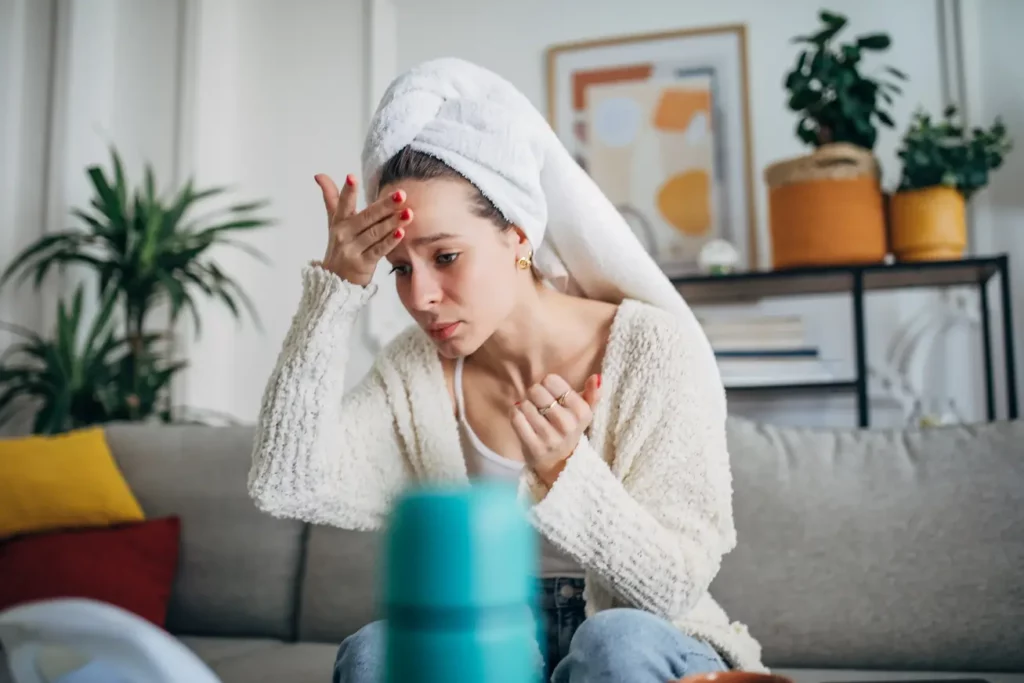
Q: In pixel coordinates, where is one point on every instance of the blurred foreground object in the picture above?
(459, 593)
(734, 677)
(71, 640)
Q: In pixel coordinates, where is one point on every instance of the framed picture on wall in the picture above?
(661, 122)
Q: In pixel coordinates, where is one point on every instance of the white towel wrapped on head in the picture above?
(489, 132)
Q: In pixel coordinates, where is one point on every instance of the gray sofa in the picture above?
(863, 555)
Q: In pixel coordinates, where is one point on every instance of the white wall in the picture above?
(26, 39)
(261, 95)
(277, 96)
(1000, 92)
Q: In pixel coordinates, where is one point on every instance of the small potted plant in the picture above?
(943, 166)
(827, 207)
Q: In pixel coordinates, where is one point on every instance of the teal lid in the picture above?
(459, 547)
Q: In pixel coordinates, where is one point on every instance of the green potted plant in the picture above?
(833, 99)
(839, 108)
(944, 165)
(79, 377)
(149, 254)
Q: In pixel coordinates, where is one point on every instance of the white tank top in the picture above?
(483, 463)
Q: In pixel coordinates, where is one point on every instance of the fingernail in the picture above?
(316, 178)
(399, 233)
(599, 381)
(350, 180)
(517, 403)
(397, 196)
(405, 215)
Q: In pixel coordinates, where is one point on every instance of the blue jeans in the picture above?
(617, 645)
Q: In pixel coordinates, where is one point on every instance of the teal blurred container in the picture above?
(459, 590)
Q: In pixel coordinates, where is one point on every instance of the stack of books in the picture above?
(764, 351)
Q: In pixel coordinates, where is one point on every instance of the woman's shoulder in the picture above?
(653, 331)
(651, 346)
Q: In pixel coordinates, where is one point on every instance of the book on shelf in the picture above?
(795, 366)
(754, 333)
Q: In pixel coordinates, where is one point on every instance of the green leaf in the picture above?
(831, 18)
(120, 184)
(897, 73)
(885, 118)
(803, 98)
(874, 41)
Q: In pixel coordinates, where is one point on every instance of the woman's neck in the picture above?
(537, 338)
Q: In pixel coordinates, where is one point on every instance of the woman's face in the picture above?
(455, 271)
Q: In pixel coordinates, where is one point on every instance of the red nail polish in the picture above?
(350, 180)
(399, 233)
(599, 381)
(397, 196)
(405, 215)
(517, 403)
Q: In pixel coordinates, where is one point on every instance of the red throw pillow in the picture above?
(131, 566)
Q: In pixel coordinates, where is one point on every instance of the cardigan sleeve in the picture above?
(320, 454)
(657, 536)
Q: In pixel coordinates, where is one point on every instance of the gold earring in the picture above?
(523, 262)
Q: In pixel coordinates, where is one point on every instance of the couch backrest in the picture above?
(879, 549)
(239, 568)
(857, 549)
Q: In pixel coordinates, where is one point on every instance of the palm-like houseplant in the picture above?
(145, 252)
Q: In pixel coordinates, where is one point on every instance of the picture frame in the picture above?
(661, 121)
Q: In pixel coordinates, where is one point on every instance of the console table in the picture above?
(855, 280)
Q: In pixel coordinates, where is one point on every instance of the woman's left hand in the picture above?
(551, 420)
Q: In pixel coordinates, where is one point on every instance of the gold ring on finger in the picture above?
(561, 399)
(545, 409)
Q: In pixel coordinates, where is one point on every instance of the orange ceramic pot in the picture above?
(826, 208)
(928, 224)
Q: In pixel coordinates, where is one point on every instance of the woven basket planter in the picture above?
(826, 208)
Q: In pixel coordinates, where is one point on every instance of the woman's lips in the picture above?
(443, 332)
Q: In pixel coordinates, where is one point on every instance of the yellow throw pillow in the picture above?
(62, 482)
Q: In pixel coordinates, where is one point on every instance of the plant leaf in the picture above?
(874, 41)
(896, 72)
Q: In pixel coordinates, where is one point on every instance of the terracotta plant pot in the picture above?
(928, 224)
(826, 208)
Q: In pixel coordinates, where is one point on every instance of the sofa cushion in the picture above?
(131, 566)
(340, 585)
(239, 567)
(264, 661)
(879, 548)
(63, 481)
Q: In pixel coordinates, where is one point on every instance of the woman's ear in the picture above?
(518, 239)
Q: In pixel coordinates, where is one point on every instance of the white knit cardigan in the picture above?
(644, 503)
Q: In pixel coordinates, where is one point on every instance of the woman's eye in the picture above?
(447, 259)
(400, 270)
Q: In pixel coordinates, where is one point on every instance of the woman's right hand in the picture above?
(358, 241)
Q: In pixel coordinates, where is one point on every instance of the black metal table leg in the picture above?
(1011, 366)
(860, 350)
(986, 342)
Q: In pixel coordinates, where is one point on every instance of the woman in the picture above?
(549, 350)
